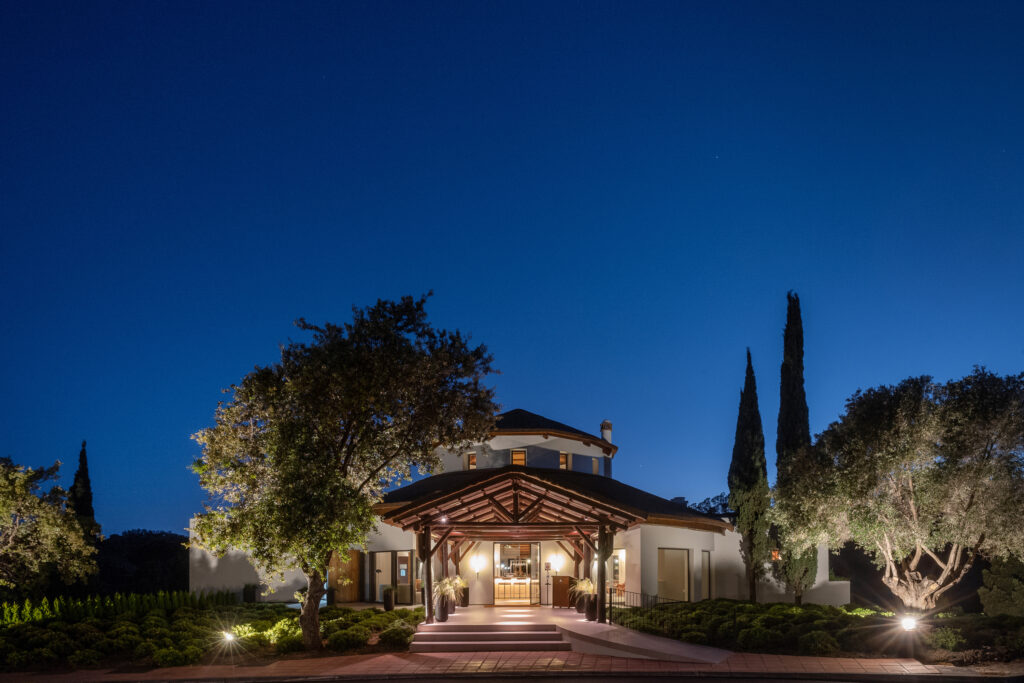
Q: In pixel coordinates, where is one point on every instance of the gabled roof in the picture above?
(521, 421)
(646, 506)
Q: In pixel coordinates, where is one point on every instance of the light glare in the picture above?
(229, 636)
(908, 623)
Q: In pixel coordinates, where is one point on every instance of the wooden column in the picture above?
(444, 560)
(588, 560)
(605, 539)
(423, 552)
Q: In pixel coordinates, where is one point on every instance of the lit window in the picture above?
(519, 458)
(596, 465)
(472, 461)
(563, 461)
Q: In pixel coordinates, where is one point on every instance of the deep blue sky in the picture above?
(614, 197)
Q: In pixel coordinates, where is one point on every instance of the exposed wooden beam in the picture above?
(526, 516)
(499, 508)
(444, 537)
(586, 539)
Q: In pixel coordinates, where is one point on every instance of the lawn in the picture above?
(173, 629)
(822, 630)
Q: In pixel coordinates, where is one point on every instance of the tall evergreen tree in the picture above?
(793, 440)
(748, 483)
(80, 497)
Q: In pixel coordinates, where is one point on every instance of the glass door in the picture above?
(517, 573)
(382, 575)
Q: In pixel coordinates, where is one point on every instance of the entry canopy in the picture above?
(530, 504)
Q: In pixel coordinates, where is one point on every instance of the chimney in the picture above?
(606, 431)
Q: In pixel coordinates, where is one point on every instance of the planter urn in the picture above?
(591, 608)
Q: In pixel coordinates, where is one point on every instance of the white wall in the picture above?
(233, 571)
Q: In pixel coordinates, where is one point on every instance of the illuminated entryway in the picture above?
(516, 573)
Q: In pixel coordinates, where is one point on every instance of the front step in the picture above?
(447, 627)
(488, 638)
(492, 646)
(467, 636)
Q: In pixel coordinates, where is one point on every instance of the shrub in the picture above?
(755, 638)
(349, 639)
(169, 656)
(43, 655)
(289, 626)
(144, 649)
(398, 634)
(818, 643)
(85, 657)
(695, 637)
(289, 643)
(945, 638)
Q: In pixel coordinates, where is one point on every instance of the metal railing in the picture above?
(639, 611)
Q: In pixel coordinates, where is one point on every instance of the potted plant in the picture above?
(389, 598)
(463, 592)
(444, 594)
(581, 592)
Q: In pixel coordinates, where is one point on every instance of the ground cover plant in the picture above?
(173, 629)
(822, 630)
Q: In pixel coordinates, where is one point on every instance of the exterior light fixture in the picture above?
(444, 519)
(775, 555)
(229, 636)
(476, 563)
(908, 623)
(556, 561)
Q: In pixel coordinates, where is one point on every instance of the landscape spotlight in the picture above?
(908, 623)
(229, 636)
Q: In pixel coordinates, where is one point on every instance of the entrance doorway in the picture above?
(517, 573)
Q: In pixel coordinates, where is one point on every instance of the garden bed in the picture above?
(181, 629)
(821, 630)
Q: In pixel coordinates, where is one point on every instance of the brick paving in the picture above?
(448, 664)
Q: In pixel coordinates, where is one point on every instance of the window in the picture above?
(519, 458)
(563, 461)
(596, 466)
(471, 461)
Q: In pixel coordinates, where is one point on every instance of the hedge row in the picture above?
(100, 607)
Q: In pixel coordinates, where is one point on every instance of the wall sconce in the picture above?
(775, 555)
(476, 563)
(556, 561)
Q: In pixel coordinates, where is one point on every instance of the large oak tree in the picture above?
(306, 446)
(924, 477)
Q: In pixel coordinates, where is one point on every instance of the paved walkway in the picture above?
(523, 664)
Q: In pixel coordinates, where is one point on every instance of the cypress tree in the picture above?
(80, 498)
(748, 483)
(792, 443)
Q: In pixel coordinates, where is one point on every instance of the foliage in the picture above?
(140, 561)
(38, 529)
(184, 630)
(748, 483)
(785, 628)
(111, 606)
(353, 637)
(306, 446)
(924, 477)
(399, 634)
(447, 588)
(796, 567)
(1003, 592)
(80, 499)
(582, 587)
(945, 638)
(715, 505)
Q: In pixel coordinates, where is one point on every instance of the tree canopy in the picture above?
(924, 477)
(38, 529)
(748, 482)
(306, 446)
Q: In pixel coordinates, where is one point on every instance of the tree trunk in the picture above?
(798, 597)
(309, 616)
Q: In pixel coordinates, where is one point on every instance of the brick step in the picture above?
(456, 636)
(484, 628)
(492, 646)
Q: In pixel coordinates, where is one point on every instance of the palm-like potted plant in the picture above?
(584, 591)
(445, 591)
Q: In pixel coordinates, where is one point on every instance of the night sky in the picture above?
(614, 197)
